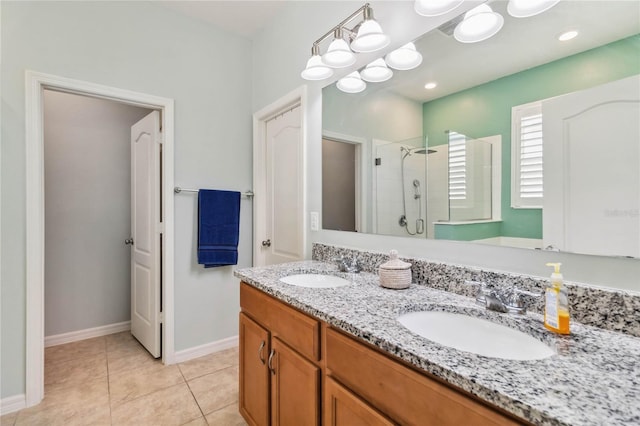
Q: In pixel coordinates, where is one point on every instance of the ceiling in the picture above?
(243, 18)
(522, 43)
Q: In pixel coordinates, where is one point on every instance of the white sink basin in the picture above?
(476, 335)
(315, 281)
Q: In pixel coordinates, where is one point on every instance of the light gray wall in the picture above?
(293, 29)
(338, 185)
(144, 47)
(87, 211)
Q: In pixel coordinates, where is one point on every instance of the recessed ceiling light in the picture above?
(568, 35)
(430, 85)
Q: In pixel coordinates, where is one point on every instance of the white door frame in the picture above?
(260, 118)
(35, 84)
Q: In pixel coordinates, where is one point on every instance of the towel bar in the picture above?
(177, 190)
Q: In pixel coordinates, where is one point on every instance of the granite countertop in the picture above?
(594, 379)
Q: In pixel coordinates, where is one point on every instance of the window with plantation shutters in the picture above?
(457, 166)
(526, 156)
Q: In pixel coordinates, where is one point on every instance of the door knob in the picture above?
(266, 243)
(129, 241)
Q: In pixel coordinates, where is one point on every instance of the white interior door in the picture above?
(591, 175)
(283, 237)
(145, 229)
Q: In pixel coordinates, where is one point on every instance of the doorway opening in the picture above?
(40, 86)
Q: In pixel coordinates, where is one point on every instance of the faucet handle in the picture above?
(483, 290)
(515, 301)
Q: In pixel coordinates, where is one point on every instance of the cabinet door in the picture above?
(254, 374)
(343, 408)
(295, 387)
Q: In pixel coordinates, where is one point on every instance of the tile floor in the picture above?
(112, 380)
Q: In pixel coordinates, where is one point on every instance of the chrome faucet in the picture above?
(501, 299)
(348, 265)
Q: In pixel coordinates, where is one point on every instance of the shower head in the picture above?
(415, 150)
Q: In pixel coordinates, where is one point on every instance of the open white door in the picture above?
(591, 177)
(284, 240)
(146, 144)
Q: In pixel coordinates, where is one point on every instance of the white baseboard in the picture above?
(12, 404)
(209, 348)
(74, 336)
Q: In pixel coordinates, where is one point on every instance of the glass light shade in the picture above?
(435, 7)
(370, 37)
(526, 8)
(316, 69)
(376, 72)
(404, 58)
(479, 24)
(339, 55)
(352, 83)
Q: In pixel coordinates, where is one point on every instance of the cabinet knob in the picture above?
(129, 241)
(260, 352)
(266, 243)
(273, 352)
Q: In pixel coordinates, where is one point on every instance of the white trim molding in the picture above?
(88, 333)
(295, 97)
(11, 404)
(209, 348)
(35, 83)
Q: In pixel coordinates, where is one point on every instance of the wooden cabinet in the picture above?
(403, 394)
(280, 371)
(341, 407)
(295, 387)
(286, 379)
(254, 372)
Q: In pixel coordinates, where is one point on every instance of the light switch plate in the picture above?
(315, 221)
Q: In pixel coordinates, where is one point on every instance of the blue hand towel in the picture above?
(218, 227)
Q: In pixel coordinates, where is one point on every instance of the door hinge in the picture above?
(161, 317)
(161, 228)
(378, 161)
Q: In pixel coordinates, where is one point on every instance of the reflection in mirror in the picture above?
(512, 99)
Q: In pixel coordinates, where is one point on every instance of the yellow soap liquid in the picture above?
(563, 324)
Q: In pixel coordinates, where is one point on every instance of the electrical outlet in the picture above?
(315, 221)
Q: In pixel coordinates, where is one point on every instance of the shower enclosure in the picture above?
(400, 196)
(416, 187)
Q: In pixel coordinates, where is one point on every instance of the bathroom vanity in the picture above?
(339, 356)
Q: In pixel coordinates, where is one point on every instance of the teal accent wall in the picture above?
(467, 232)
(485, 110)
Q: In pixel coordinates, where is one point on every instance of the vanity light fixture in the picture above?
(569, 35)
(527, 8)
(435, 7)
(376, 72)
(430, 85)
(316, 69)
(352, 83)
(404, 58)
(480, 23)
(365, 36)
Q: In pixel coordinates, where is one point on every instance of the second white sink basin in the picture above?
(315, 280)
(476, 335)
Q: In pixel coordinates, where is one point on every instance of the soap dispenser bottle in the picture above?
(556, 303)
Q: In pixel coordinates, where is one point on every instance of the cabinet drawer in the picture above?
(298, 330)
(343, 408)
(403, 394)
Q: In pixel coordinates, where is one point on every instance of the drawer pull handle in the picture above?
(260, 352)
(273, 352)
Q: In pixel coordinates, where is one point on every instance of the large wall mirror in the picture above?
(525, 140)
